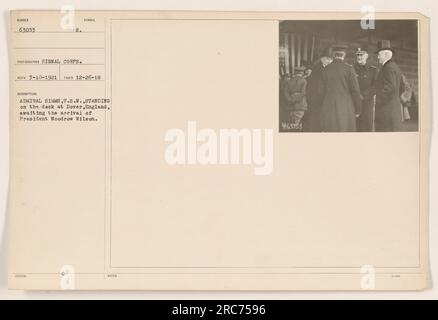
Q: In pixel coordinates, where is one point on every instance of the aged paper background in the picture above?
(403, 144)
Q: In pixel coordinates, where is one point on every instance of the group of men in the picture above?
(334, 96)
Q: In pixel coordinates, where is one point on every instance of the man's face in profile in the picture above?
(383, 56)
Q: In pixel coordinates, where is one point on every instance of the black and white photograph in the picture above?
(348, 76)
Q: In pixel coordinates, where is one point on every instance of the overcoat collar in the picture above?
(387, 62)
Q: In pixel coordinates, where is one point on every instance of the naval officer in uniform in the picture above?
(367, 76)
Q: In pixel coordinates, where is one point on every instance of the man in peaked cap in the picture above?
(312, 117)
(367, 76)
(388, 109)
(295, 94)
(342, 100)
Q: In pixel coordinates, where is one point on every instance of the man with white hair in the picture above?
(388, 116)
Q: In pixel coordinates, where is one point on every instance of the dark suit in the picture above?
(367, 76)
(388, 106)
(312, 117)
(342, 100)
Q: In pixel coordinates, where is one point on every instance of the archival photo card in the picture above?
(191, 150)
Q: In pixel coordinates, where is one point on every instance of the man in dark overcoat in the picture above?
(342, 100)
(314, 94)
(388, 106)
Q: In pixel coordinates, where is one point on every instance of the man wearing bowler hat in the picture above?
(388, 108)
(312, 117)
(342, 100)
(367, 76)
